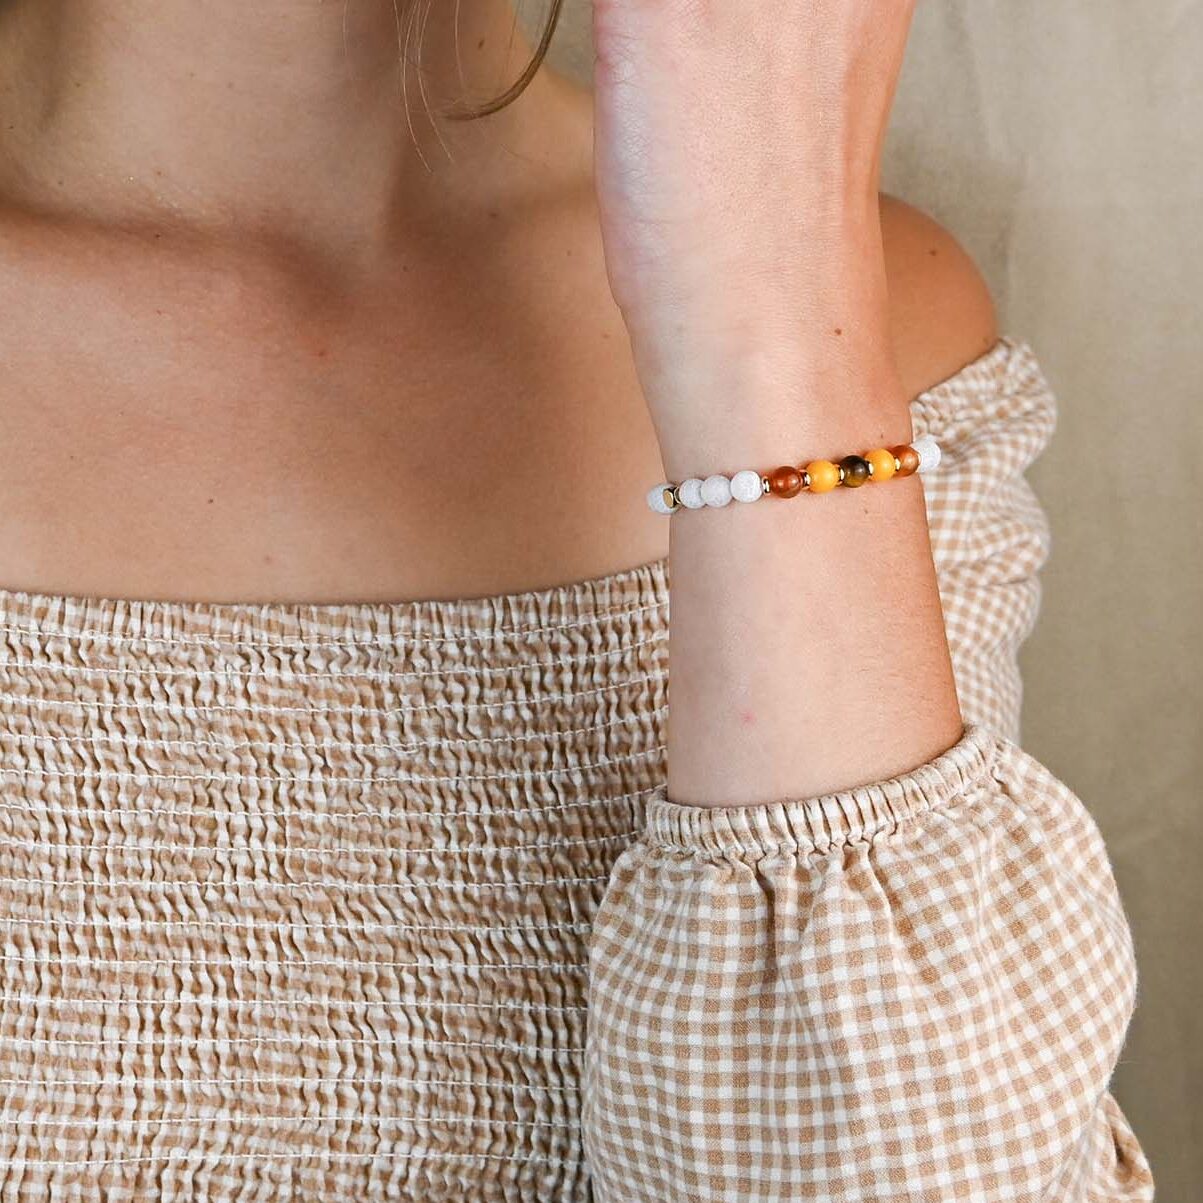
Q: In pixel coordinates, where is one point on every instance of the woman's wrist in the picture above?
(805, 355)
(776, 398)
(816, 423)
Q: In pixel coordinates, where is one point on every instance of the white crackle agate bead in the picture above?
(716, 490)
(929, 453)
(690, 493)
(747, 486)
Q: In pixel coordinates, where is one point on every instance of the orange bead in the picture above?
(908, 459)
(824, 475)
(882, 462)
(785, 482)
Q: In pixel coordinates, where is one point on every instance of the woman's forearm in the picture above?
(808, 650)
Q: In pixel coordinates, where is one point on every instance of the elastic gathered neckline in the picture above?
(631, 593)
(824, 821)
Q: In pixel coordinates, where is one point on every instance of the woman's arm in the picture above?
(913, 989)
(737, 152)
(861, 951)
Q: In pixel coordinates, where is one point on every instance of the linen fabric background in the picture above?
(1060, 142)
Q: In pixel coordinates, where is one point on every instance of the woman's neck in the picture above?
(293, 116)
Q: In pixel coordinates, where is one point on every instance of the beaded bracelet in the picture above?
(818, 476)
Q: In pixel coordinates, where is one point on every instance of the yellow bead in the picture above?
(824, 475)
(882, 463)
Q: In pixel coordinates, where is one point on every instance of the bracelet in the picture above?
(818, 476)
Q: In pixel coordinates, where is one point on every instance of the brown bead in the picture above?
(856, 471)
(785, 482)
(908, 459)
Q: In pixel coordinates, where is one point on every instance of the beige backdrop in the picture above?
(1060, 140)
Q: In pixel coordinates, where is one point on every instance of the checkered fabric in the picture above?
(912, 991)
(298, 905)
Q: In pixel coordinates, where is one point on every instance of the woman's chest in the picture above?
(213, 433)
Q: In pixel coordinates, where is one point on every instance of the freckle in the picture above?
(494, 213)
(838, 331)
(933, 252)
(481, 44)
(210, 502)
(267, 557)
(322, 352)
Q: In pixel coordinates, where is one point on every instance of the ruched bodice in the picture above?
(299, 894)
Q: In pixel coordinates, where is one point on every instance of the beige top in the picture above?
(386, 901)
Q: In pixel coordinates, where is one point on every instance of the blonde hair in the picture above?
(532, 67)
(466, 112)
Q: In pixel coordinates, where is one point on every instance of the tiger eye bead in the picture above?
(882, 463)
(785, 481)
(908, 459)
(823, 474)
(856, 471)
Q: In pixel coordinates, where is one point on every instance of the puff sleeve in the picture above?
(913, 990)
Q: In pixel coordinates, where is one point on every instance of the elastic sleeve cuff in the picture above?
(825, 821)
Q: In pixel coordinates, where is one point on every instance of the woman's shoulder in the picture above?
(941, 310)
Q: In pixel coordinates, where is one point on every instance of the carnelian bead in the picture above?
(785, 481)
(882, 463)
(824, 475)
(908, 459)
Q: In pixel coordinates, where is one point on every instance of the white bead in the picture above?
(655, 499)
(747, 486)
(690, 493)
(929, 453)
(716, 490)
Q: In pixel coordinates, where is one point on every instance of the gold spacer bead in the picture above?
(670, 498)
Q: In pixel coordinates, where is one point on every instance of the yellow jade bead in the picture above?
(882, 462)
(824, 475)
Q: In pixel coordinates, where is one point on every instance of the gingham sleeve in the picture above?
(913, 990)
(989, 533)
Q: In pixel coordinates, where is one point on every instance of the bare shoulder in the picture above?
(940, 306)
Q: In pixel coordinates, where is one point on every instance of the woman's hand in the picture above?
(737, 151)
